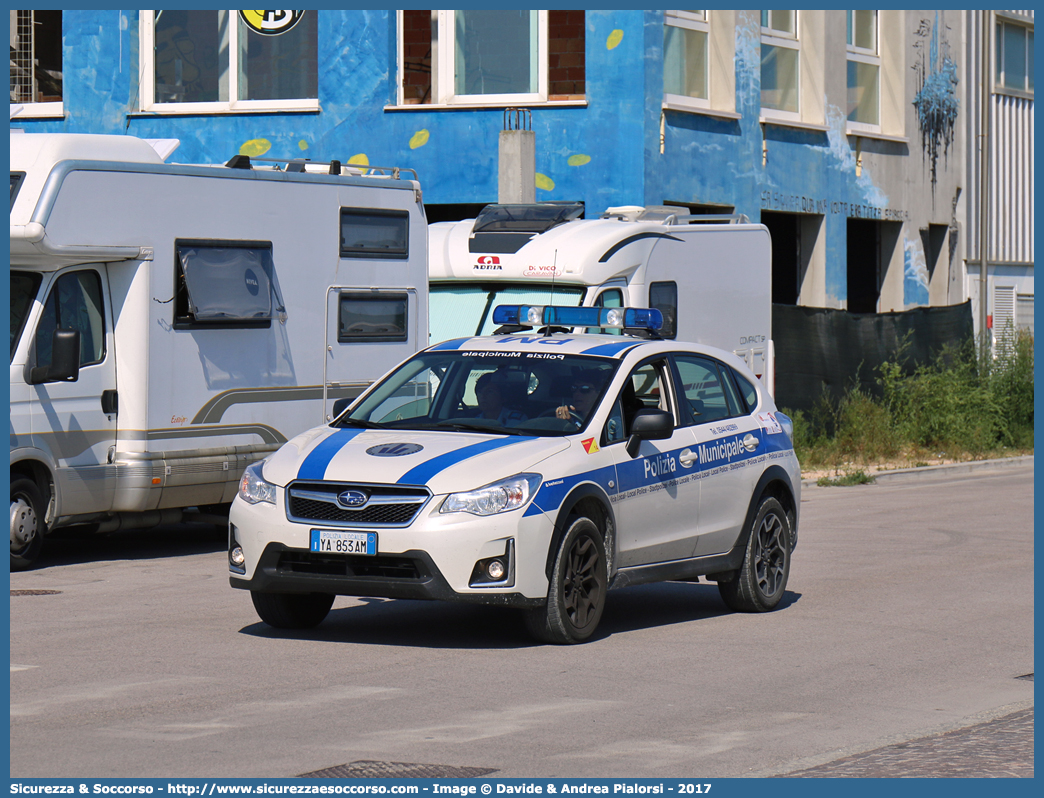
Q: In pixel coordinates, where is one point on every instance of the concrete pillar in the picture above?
(517, 175)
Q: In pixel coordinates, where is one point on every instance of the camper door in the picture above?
(75, 420)
(368, 330)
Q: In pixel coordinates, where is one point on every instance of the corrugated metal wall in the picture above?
(1010, 235)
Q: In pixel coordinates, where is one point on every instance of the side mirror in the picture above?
(339, 406)
(65, 359)
(649, 424)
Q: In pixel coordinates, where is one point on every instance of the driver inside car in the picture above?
(489, 393)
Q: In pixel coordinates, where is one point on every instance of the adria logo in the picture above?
(488, 263)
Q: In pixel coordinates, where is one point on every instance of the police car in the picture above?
(535, 468)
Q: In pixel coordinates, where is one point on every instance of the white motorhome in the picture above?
(710, 276)
(171, 324)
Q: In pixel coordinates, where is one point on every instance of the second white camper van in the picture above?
(710, 276)
(171, 324)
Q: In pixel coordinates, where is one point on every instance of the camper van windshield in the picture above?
(24, 286)
(460, 309)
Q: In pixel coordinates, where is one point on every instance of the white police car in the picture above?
(535, 468)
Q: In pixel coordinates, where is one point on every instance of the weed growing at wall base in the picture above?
(958, 407)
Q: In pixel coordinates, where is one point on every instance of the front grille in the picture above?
(386, 506)
(382, 566)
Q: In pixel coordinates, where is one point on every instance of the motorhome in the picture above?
(710, 276)
(171, 324)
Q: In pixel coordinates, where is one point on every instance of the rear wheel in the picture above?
(761, 580)
(27, 523)
(576, 595)
(292, 610)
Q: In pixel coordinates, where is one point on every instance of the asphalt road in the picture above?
(909, 613)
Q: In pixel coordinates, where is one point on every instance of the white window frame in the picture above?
(998, 80)
(443, 65)
(782, 39)
(42, 110)
(147, 33)
(697, 21)
(870, 56)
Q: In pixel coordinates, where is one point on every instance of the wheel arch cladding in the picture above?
(589, 500)
(775, 482)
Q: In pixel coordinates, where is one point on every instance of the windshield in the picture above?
(24, 286)
(509, 393)
(461, 310)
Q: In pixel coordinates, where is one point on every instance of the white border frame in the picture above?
(864, 56)
(696, 22)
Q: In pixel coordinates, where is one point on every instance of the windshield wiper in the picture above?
(358, 422)
(457, 423)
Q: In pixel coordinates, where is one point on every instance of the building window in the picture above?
(490, 57)
(864, 71)
(1014, 60)
(779, 64)
(36, 62)
(196, 62)
(685, 51)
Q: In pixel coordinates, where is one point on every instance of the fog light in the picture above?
(495, 570)
(236, 556)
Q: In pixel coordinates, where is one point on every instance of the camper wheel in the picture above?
(27, 522)
(292, 610)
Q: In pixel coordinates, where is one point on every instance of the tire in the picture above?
(762, 578)
(576, 595)
(292, 610)
(28, 523)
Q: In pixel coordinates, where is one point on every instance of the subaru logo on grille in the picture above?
(394, 449)
(352, 498)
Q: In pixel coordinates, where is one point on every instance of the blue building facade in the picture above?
(862, 196)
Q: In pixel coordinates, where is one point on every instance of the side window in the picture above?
(664, 297)
(372, 317)
(609, 298)
(219, 284)
(703, 390)
(645, 388)
(373, 233)
(75, 303)
(748, 391)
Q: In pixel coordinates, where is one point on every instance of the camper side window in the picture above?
(664, 297)
(75, 303)
(219, 284)
(371, 317)
(375, 233)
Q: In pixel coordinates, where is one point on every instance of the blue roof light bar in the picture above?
(562, 316)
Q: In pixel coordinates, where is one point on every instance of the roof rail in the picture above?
(334, 167)
(689, 218)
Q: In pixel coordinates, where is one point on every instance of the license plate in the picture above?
(334, 541)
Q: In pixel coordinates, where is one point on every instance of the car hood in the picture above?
(444, 461)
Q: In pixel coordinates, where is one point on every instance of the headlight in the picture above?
(253, 488)
(499, 497)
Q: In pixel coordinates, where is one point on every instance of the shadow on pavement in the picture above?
(76, 546)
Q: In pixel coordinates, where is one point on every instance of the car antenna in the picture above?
(551, 299)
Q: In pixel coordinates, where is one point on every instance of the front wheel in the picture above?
(576, 595)
(292, 610)
(759, 584)
(27, 523)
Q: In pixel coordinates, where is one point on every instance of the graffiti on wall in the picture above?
(936, 102)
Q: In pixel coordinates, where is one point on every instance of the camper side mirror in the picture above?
(339, 406)
(65, 359)
(649, 424)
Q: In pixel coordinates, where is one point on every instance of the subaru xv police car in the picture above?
(535, 468)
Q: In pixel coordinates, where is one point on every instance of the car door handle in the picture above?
(110, 402)
(688, 457)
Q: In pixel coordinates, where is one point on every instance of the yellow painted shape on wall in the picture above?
(578, 160)
(255, 147)
(302, 144)
(359, 160)
(544, 182)
(614, 39)
(420, 138)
